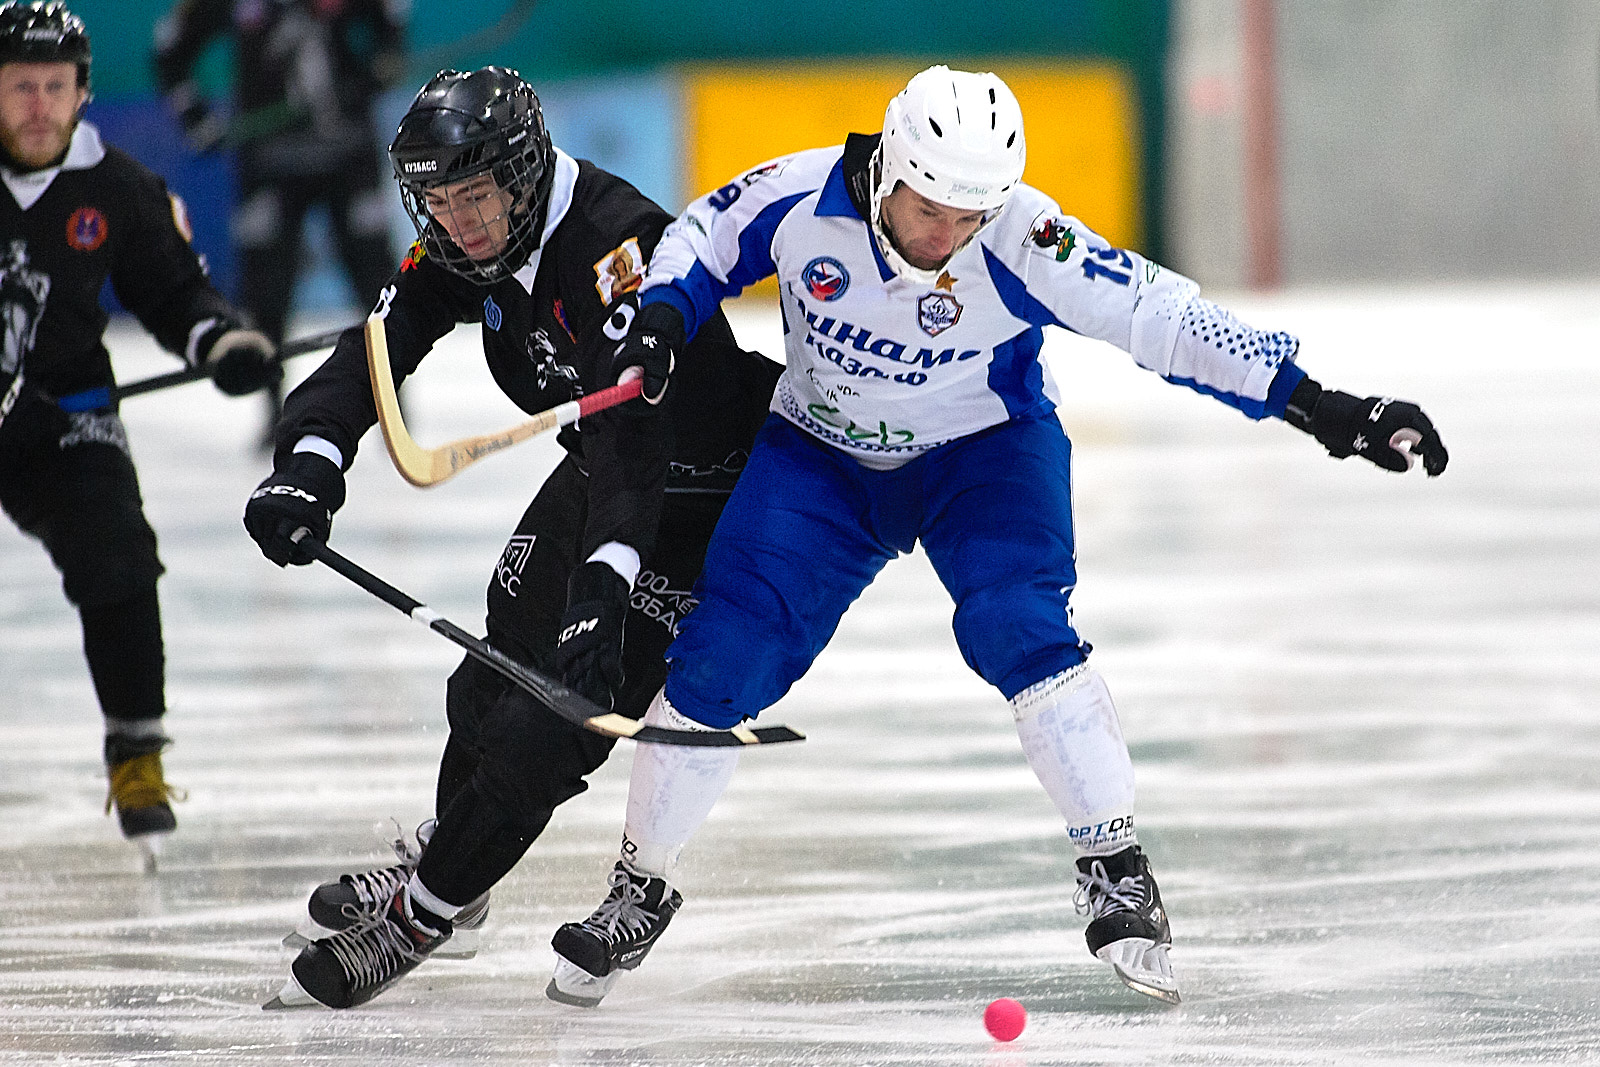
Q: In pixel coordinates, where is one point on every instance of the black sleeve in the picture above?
(335, 401)
(182, 36)
(158, 276)
(625, 449)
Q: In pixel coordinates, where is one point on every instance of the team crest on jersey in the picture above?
(413, 258)
(86, 229)
(491, 313)
(619, 271)
(825, 278)
(937, 312)
(1053, 233)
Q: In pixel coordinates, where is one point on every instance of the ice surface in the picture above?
(1363, 712)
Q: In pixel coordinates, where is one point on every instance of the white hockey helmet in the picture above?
(954, 137)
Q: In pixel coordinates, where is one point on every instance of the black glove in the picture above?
(1390, 433)
(239, 360)
(652, 346)
(306, 492)
(589, 645)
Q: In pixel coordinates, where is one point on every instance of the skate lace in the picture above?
(373, 951)
(374, 889)
(1098, 895)
(622, 909)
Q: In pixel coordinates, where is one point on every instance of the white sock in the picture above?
(672, 790)
(1073, 742)
(416, 891)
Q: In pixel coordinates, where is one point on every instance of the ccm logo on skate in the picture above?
(283, 490)
(577, 628)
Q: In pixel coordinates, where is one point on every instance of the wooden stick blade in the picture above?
(424, 467)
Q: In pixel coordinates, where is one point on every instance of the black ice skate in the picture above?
(1127, 925)
(591, 955)
(142, 797)
(354, 965)
(355, 898)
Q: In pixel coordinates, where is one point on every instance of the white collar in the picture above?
(561, 187)
(83, 151)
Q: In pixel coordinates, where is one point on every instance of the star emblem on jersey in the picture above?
(825, 278)
(946, 282)
(937, 312)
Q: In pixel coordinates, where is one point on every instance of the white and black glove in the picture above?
(1391, 433)
(305, 492)
(588, 652)
(239, 360)
(650, 350)
(202, 129)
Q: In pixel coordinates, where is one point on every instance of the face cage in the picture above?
(517, 175)
(891, 255)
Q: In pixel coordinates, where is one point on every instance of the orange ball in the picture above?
(1004, 1019)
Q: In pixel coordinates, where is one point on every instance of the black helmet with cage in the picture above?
(463, 125)
(44, 32)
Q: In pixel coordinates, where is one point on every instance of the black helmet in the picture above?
(462, 125)
(43, 32)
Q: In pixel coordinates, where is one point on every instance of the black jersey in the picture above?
(63, 232)
(306, 73)
(546, 341)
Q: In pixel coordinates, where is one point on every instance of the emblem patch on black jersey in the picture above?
(86, 229)
(825, 278)
(937, 312)
(413, 257)
(1053, 233)
(508, 572)
(619, 271)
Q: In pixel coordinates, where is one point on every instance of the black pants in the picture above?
(509, 760)
(68, 481)
(268, 224)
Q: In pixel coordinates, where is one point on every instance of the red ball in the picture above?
(1004, 1019)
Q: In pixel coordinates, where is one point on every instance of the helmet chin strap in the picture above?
(891, 254)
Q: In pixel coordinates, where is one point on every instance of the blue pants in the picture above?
(808, 528)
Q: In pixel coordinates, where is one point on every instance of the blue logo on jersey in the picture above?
(825, 278)
(491, 313)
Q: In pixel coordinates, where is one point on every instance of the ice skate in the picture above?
(1128, 926)
(354, 898)
(354, 965)
(616, 938)
(142, 797)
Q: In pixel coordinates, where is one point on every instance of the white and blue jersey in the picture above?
(913, 413)
(885, 367)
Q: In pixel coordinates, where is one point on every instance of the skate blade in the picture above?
(1143, 967)
(150, 846)
(292, 995)
(571, 984)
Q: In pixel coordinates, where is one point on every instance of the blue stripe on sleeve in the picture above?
(1014, 294)
(755, 244)
(697, 294)
(1283, 383)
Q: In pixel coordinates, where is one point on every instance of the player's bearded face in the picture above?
(924, 232)
(39, 105)
(475, 214)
